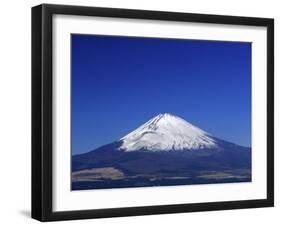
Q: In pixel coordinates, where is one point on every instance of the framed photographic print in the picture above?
(145, 112)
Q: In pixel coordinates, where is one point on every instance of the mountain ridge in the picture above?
(166, 150)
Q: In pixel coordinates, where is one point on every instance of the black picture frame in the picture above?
(42, 111)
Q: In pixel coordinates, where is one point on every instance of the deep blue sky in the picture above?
(118, 83)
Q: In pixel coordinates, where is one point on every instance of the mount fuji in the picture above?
(167, 132)
(166, 150)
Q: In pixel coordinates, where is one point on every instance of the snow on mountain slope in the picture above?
(167, 132)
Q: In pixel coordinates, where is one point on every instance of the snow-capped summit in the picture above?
(166, 150)
(167, 132)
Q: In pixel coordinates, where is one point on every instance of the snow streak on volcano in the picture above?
(167, 132)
